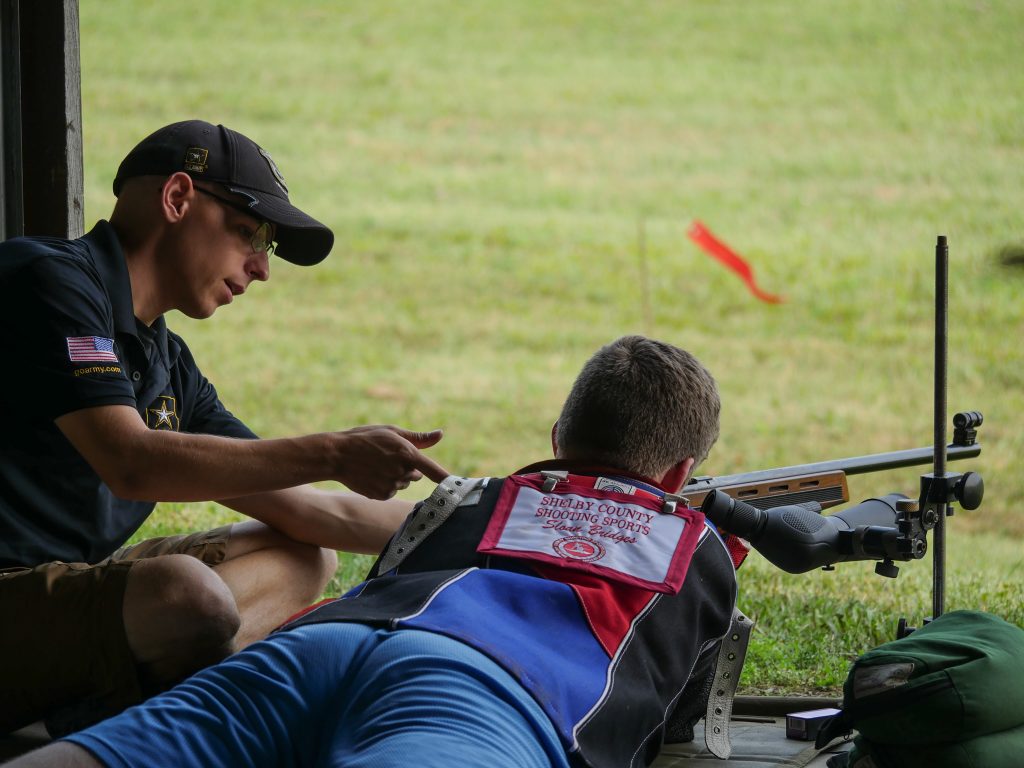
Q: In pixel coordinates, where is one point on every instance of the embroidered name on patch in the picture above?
(619, 536)
(91, 349)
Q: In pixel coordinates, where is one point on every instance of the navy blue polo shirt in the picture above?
(70, 340)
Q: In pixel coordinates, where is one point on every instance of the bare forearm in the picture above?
(139, 463)
(331, 519)
(170, 466)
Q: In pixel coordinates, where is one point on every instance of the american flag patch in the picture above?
(90, 349)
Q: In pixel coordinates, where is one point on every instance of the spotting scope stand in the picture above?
(940, 488)
(797, 538)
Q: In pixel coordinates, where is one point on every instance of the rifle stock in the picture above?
(823, 482)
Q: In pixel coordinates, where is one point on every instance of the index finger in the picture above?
(429, 467)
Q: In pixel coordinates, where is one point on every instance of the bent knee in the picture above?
(176, 601)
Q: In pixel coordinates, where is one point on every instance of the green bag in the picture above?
(950, 694)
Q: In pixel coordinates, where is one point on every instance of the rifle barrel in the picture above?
(855, 465)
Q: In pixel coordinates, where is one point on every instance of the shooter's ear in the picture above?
(677, 475)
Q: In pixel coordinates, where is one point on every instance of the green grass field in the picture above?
(511, 183)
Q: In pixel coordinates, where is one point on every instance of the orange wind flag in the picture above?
(714, 247)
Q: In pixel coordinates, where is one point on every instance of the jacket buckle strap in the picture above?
(723, 687)
(425, 519)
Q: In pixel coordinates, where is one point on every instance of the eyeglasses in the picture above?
(262, 238)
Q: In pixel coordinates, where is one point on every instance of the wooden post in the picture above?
(51, 119)
(12, 219)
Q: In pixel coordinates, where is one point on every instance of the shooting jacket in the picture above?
(606, 653)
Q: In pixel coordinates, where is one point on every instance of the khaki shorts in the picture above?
(63, 639)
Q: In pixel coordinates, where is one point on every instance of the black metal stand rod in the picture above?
(941, 346)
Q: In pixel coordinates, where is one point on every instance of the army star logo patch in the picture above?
(163, 414)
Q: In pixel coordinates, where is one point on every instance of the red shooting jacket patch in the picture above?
(629, 539)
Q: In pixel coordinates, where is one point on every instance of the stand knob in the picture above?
(969, 490)
(887, 568)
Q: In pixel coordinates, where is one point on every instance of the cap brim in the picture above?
(300, 238)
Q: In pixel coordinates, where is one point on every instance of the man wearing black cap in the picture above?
(104, 412)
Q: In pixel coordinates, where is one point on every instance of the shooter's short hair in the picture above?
(640, 405)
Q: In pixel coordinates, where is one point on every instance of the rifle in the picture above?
(824, 482)
(778, 510)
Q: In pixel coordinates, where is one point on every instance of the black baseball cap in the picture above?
(208, 152)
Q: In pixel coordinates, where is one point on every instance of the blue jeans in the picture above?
(337, 694)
